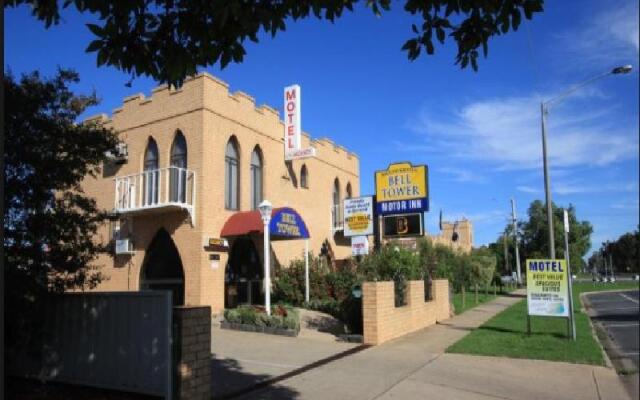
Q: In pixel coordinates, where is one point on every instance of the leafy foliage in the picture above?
(169, 40)
(48, 221)
(281, 316)
(624, 252)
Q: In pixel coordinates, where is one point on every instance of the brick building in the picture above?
(198, 159)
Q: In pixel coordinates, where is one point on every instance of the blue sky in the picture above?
(478, 132)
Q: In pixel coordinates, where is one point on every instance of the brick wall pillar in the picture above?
(441, 297)
(192, 352)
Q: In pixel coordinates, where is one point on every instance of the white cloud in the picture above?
(462, 175)
(626, 205)
(610, 35)
(562, 188)
(528, 189)
(506, 133)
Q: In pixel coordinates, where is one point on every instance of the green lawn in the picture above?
(505, 334)
(470, 299)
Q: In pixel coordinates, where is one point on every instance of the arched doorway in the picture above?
(162, 267)
(243, 275)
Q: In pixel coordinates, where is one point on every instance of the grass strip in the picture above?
(505, 334)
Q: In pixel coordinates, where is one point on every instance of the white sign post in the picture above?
(572, 321)
(293, 125)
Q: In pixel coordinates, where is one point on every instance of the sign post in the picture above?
(572, 322)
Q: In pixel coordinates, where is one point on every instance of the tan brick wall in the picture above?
(383, 321)
(208, 115)
(193, 363)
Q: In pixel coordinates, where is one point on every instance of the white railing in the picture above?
(337, 220)
(157, 188)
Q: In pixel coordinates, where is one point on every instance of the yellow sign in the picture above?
(547, 288)
(401, 181)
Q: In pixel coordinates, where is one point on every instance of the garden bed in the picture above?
(283, 320)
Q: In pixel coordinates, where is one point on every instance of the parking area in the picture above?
(244, 360)
(617, 314)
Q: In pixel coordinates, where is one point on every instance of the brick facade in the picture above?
(383, 321)
(192, 328)
(208, 116)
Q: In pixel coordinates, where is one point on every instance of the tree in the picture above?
(169, 40)
(533, 234)
(624, 253)
(49, 222)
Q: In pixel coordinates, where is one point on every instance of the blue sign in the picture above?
(287, 223)
(403, 206)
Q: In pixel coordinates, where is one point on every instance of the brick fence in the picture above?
(193, 352)
(383, 321)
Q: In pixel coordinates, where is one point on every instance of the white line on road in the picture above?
(623, 325)
(629, 298)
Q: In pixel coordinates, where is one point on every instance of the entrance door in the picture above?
(162, 268)
(243, 275)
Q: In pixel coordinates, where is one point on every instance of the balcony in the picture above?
(337, 220)
(156, 191)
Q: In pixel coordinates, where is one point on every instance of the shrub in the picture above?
(281, 316)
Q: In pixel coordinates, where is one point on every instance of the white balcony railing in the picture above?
(337, 220)
(157, 189)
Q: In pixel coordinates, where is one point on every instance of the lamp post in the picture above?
(544, 110)
(265, 212)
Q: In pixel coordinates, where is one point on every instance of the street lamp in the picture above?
(265, 212)
(544, 110)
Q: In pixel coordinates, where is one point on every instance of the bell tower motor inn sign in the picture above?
(402, 188)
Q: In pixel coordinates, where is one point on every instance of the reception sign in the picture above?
(358, 216)
(402, 188)
(547, 288)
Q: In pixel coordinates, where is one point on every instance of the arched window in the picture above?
(336, 210)
(349, 194)
(178, 174)
(304, 177)
(256, 178)
(231, 181)
(336, 192)
(151, 177)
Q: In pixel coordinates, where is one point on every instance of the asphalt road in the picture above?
(617, 313)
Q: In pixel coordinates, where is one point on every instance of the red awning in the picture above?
(250, 222)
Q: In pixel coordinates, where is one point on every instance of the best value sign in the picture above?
(402, 188)
(547, 288)
(358, 216)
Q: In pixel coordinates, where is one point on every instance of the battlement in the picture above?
(203, 91)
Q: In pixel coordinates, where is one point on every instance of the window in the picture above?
(336, 210)
(231, 175)
(151, 179)
(256, 178)
(178, 174)
(304, 177)
(349, 195)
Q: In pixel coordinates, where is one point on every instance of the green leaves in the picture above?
(170, 40)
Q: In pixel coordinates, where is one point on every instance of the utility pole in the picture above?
(507, 267)
(515, 241)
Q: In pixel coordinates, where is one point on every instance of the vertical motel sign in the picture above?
(293, 125)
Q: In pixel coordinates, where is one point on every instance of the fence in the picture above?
(118, 340)
(383, 321)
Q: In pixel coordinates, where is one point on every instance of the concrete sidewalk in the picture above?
(415, 367)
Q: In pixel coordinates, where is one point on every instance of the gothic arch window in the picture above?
(304, 177)
(178, 174)
(151, 178)
(256, 178)
(349, 193)
(162, 267)
(231, 176)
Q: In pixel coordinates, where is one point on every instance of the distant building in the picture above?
(458, 235)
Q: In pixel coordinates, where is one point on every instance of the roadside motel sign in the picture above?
(547, 288)
(358, 216)
(402, 188)
(293, 125)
